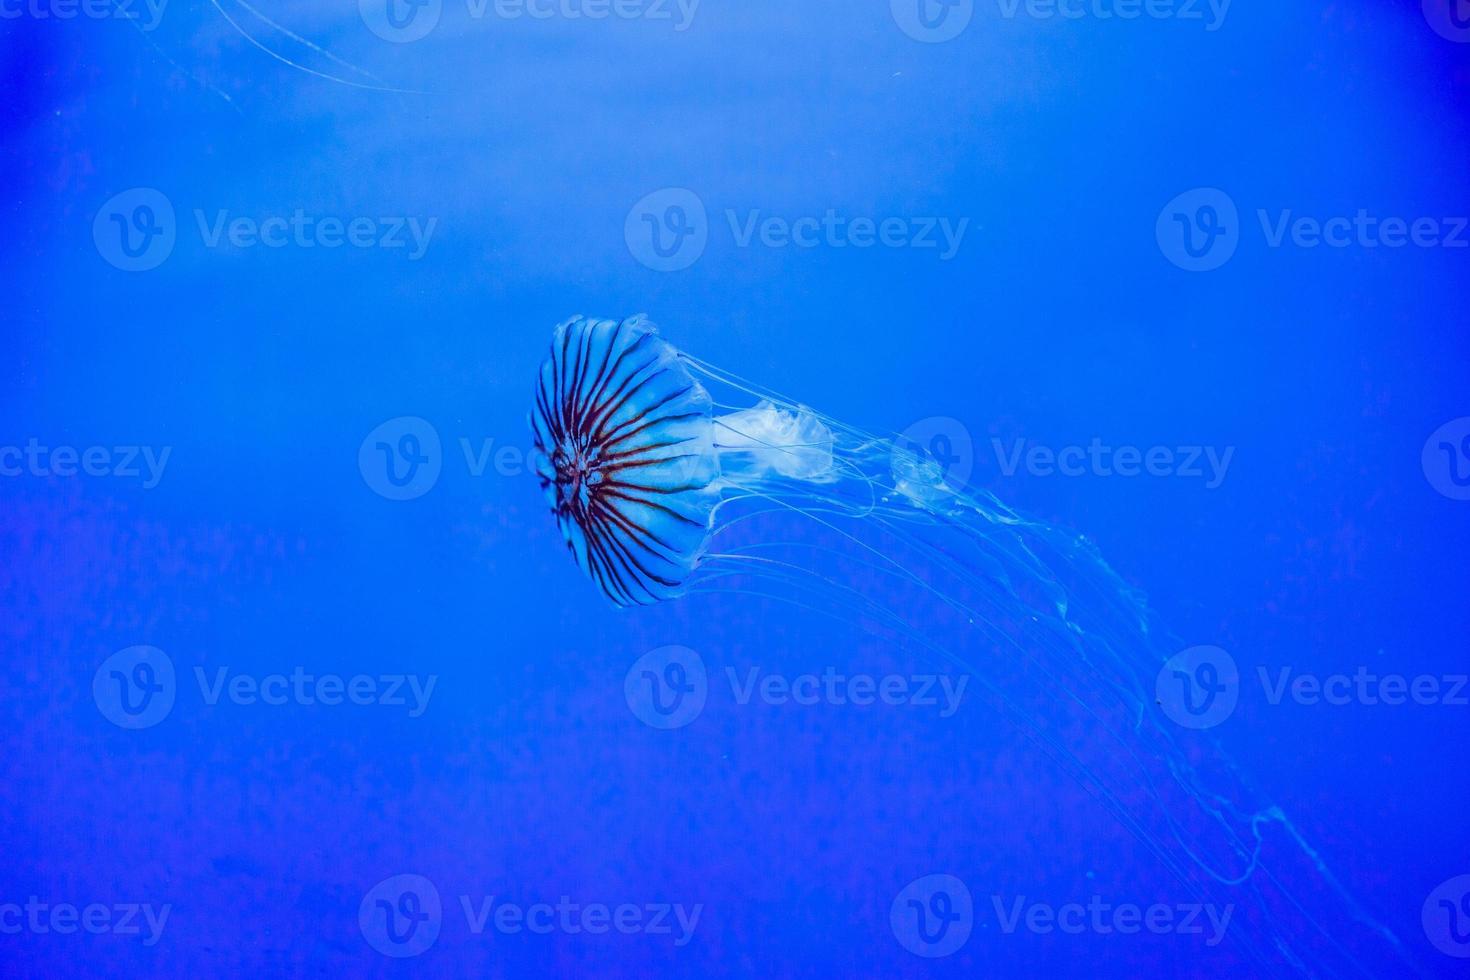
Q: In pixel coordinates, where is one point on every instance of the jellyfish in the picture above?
(669, 477)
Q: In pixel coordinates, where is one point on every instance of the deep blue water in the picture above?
(1126, 267)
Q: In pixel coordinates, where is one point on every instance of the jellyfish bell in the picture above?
(634, 457)
(671, 477)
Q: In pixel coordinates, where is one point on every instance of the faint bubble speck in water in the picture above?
(401, 459)
(1446, 917)
(667, 230)
(933, 916)
(667, 688)
(401, 916)
(1446, 459)
(932, 21)
(135, 230)
(1199, 687)
(1199, 230)
(135, 687)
